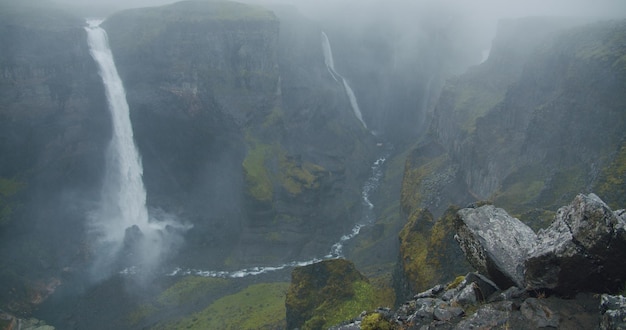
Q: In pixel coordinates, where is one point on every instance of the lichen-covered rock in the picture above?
(583, 250)
(495, 243)
(613, 311)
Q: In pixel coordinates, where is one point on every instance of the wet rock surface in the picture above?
(580, 251)
(495, 243)
(462, 308)
(530, 281)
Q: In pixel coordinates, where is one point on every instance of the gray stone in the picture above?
(442, 314)
(486, 317)
(508, 294)
(430, 292)
(495, 243)
(582, 250)
(466, 296)
(484, 286)
(539, 314)
(613, 312)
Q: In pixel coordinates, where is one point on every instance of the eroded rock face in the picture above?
(495, 243)
(582, 250)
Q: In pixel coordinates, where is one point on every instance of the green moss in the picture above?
(189, 291)
(140, 313)
(611, 186)
(414, 243)
(456, 282)
(416, 170)
(521, 189)
(297, 177)
(375, 321)
(257, 176)
(259, 306)
(364, 297)
(190, 288)
(537, 218)
(429, 254)
(267, 165)
(328, 292)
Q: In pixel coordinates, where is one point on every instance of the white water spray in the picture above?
(485, 55)
(330, 66)
(122, 217)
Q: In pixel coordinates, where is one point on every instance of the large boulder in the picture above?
(583, 249)
(495, 243)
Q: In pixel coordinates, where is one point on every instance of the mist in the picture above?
(256, 145)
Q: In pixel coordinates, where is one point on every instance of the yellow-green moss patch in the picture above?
(259, 306)
(255, 169)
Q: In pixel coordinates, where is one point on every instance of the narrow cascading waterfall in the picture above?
(330, 66)
(122, 219)
(328, 57)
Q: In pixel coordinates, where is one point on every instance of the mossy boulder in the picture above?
(428, 253)
(326, 293)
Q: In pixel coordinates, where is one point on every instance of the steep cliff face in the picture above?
(558, 125)
(54, 126)
(539, 121)
(238, 124)
(535, 123)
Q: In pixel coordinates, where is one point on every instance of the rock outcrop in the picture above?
(582, 251)
(428, 253)
(319, 292)
(496, 122)
(495, 243)
(477, 303)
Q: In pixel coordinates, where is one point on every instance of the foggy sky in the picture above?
(478, 8)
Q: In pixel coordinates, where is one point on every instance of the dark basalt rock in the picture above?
(583, 250)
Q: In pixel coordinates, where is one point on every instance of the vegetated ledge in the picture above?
(562, 277)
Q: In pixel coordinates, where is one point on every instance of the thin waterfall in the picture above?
(330, 66)
(122, 219)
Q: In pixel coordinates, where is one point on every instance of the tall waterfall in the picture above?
(121, 220)
(330, 65)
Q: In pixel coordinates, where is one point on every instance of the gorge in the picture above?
(223, 154)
